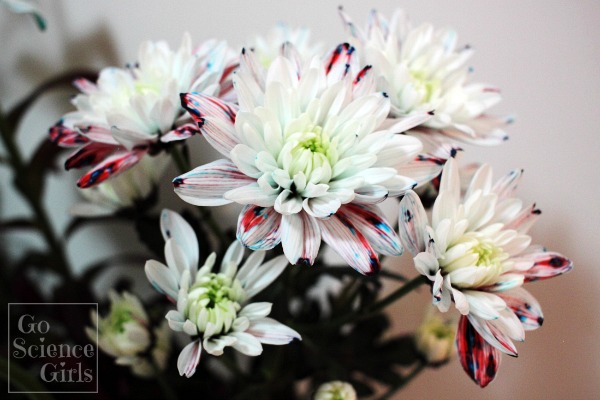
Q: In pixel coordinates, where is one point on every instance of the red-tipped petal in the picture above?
(215, 118)
(479, 359)
(541, 265)
(181, 133)
(339, 233)
(91, 154)
(340, 61)
(66, 137)
(110, 167)
(259, 227)
(525, 307)
(372, 224)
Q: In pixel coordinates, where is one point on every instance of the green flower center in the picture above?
(215, 299)
(118, 317)
(426, 86)
(489, 254)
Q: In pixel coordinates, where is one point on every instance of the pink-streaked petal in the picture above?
(494, 336)
(506, 186)
(162, 279)
(524, 220)
(300, 238)
(339, 62)
(112, 166)
(412, 223)
(91, 154)
(541, 265)
(189, 358)
(259, 227)
(66, 137)
(207, 184)
(369, 220)
(270, 331)
(525, 306)
(339, 233)
(479, 359)
(215, 118)
(173, 226)
(181, 133)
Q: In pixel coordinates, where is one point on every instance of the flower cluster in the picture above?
(310, 143)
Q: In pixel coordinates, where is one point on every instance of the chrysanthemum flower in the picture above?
(435, 337)
(268, 48)
(477, 254)
(305, 155)
(213, 307)
(422, 69)
(335, 390)
(123, 116)
(125, 334)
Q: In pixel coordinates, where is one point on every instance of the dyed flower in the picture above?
(123, 191)
(213, 307)
(435, 337)
(335, 390)
(477, 253)
(422, 69)
(125, 334)
(267, 48)
(305, 156)
(25, 7)
(127, 112)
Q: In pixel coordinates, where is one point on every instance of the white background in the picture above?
(544, 55)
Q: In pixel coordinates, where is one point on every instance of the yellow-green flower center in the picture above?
(426, 86)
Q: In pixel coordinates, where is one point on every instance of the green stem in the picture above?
(416, 371)
(205, 215)
(42, 220)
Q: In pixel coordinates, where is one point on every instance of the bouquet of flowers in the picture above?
(288, 301)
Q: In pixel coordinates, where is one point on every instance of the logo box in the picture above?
(48, 350)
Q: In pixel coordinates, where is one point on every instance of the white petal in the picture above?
(270, 331)
(189, 358)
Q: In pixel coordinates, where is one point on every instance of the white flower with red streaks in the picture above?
(305, 154)
(123, 116)
(268, 47)
(213, 307)
(422, 70)
(477, 253)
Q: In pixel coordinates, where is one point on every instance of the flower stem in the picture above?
(395, 295)
(416, 371)
(42, 220)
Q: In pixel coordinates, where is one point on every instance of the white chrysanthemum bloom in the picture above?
(335, 390)
(123, 191)
(122, 116)
(306, 156)
(435, 336)
(125, 334)
(477, 253)
(422, 69)
(213, 306)
(268, 48)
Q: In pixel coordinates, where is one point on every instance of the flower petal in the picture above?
(246, 343)
(180, 133)
(541, 265)
(259, 227)
(339, 233)
(369, 220)
(65, 136)
(479, 359)
(207, 184)
(161, 277)
(91, 154)
(300, 238)
(189, 358)
(412, 223)
(174, 226)
(110, 167)
(270, 331)
(525, 307)
(264, 275)
(215, 118)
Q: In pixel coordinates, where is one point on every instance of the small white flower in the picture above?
(435, 337)
(335, 390)
(477, 254)
(213, 306)
(125, 334)
(306, 155)
(422, 69)
(128, 111)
